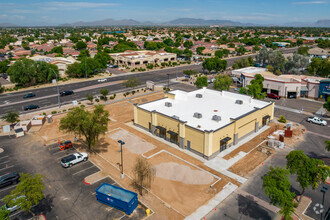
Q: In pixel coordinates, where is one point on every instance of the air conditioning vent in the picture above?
(197, 115)
(239, 102)
(176, 117)
(168, 104)
(198, 126)
(199, 95)
(216, 118)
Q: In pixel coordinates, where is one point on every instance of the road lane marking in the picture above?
(3, 157)
(122, 217)
(8, 161)
(82, 170)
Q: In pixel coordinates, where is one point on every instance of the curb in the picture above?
(86, 183)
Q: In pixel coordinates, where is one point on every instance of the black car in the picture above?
(68, 92)
(9, 179)
(29, 95)
(29, 107)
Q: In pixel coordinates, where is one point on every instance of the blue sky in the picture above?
(42, 12)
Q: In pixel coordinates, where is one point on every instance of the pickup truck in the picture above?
(72, 159)
(317, 120)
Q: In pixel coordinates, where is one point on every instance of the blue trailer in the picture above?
(117, 197)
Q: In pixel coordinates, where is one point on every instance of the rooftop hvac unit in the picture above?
(197, 115)
(168, 104)
(176, 117)
(216, 118)
(199, 95)
(240, 102)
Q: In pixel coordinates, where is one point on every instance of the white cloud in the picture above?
(310, 3)
(3, 15)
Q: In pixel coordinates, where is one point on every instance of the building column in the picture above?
(208, 143)
(257, 127)
(153, 122)
(235, 138)
(182, 134)
(135, 113)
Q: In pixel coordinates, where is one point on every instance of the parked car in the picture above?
(72, 159)
(273, 96)
(14, 207)
(29, 107)
(9, 179)
(29, 95)
(65, 145)
(317, 120)
(65, 93)
(102, 80)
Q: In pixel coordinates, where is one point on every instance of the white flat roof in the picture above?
(250, 69)
(212, 103)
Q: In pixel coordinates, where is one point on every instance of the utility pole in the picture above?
(58, 91)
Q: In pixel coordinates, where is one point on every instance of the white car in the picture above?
(317, 120)
(72, 159)
(14, 207)
(102, 80)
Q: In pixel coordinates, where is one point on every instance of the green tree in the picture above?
(58, 49)
(241, 63)
(201, 82)
(82, 122)
(240, 50)
(277, 186)
(214, 63)
(319, 67)
(90, 97)
(31, 187)
(4, 213)
(11, 117)
(168, 42)
(327, 145)
(190, 72)
(132, 82)
(219, 53)
(4, 66)
(188, 44)
(81, 45)
(222, 82)
(300, 42)
(243, 90)
(104, 92)
(256, 86)
(199, 50)
(251, 61)
(303, 51)
(327, 104)
(309, 171)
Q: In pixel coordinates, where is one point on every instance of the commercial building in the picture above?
(142, 58)
(324, 89)
(204, 121)
(287, 86)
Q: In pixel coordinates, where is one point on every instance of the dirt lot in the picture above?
(170, 194)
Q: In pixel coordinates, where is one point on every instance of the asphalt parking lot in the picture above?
(66, 195)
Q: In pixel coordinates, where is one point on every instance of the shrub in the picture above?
(44, 113)
(295, 204)
(64, 110)
(282, 119)
(138, 90)
(124, 94)
(82, 106)
(54, 112)
(79, 103)
(70, 109)
(97, 100)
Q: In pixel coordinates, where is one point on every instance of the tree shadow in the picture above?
(248, 207)
(101, 147)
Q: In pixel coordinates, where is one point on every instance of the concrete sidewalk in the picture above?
(212, 204)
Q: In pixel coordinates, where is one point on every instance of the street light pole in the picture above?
(58, 91)
(121, 151)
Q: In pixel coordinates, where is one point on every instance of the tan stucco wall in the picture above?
(227, 131)
(196, 139)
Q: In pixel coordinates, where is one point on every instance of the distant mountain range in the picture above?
(180, 22)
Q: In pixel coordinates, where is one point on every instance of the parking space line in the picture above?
(5, 162)
(16, 213)
(12, 186)
(82, 170)
(58, 153)
(122, 217)
(3, 157)
(6, 168)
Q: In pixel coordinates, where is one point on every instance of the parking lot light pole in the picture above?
(323, 190)
(121, 151)
(58, 91)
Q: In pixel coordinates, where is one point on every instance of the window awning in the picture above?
(226, 139)
(266, 117)
(172, 133)
(160, 128)
(304, 89)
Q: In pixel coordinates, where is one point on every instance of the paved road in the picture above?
(66, 196)
(46, 97)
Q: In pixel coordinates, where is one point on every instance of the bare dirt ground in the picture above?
(170, 195)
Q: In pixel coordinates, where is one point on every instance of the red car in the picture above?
(65, 145)
(273, 96)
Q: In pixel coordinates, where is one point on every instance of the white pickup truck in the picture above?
(317, 120)
(72, 159)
